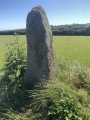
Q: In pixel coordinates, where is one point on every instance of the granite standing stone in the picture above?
(40, 52)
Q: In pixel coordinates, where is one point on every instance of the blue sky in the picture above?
(13, 13)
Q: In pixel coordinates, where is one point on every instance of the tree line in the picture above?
(11, 32)
(73, 29)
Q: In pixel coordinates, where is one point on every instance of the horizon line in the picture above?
(50, 25)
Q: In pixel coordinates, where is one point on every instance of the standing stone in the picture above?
(40, 53)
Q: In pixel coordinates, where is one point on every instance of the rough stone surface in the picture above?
(40, 53)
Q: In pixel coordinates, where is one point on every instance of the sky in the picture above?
(13, 13)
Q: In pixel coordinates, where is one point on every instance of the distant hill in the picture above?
(73, 29)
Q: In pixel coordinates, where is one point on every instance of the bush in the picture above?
(15, 62)
(64, 109)
(12, 82)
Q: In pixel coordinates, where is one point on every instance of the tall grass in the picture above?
(66, 97)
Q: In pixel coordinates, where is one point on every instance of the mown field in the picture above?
(74, 48)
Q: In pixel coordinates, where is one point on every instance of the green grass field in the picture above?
(74, 48)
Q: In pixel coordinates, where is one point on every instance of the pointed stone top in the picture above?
(38, 8)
